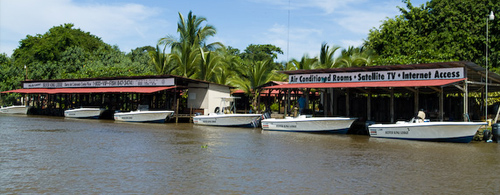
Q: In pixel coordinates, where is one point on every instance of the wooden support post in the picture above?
(441, 105)
(177, 111)
(333, 101)
(325, 96)
(288, 94)
(190, 115)
(416, 101)
(258, 111)
(347, 105)
(392, 106)
(466, 101)
(369, 106)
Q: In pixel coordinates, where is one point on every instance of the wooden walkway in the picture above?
(183, 116)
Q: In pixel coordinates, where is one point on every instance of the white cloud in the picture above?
(328, 6)
(134, 23)
(347, 43)
(294, 43)
(344, 23)
(360, 21)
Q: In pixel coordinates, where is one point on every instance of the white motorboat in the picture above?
(226, 116)
(306, 123)
(460, 132)
(143, 116)
(83, 113)
(14, 109)
(228, 120)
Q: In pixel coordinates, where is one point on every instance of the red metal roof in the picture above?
(91, 90)
(418, 83)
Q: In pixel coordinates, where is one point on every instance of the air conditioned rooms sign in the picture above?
(371, 76)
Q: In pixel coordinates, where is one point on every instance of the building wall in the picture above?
(206, 96)
(216, 92)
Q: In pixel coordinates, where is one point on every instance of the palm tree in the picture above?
(354, 57)
(230, 64)
(326, 56)
(256, 73)
(186, 50)
(209, 64)
(186, 59)
(305, 63)
(161, 60)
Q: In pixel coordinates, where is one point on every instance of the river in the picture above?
(54, 155)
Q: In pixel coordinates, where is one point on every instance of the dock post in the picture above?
(177, 112)
(191, 115)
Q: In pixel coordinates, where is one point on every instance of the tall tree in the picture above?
(65, 52)
(161, 61)
(326, 56)
(50, 46)
(210, 61)
(185, 50)
(440, 30)
(305, 63)
(253, 74)
(355, 56)
(261, 52)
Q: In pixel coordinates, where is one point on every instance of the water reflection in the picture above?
(56, 155)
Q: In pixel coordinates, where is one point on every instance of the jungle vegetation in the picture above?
(440, 30)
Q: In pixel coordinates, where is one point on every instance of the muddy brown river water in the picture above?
(54, 155)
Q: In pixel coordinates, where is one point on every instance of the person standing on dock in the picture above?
(302, 103)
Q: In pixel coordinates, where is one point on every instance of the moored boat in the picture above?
(459, 132)
(305, 123)
(143, 116)
(228, 120)
(227, 116)
(83, 113)
(14, 109)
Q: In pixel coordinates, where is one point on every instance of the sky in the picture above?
(298, 27)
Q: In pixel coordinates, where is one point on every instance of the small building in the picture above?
(390, 93)
(52, 97)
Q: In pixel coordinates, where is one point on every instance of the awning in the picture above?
(90, 90)
(418, 83)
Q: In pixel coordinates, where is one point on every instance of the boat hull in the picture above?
(320, 124)
(14, 109)
(83, 113)
(229, 120)
(458, 132)
(143, 116)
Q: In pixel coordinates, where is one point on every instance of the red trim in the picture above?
(419, 83)
(91, 90)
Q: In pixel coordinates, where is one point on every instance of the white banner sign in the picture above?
(102, 83)
(392, 75)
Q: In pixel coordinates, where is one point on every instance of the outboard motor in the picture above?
(487, 135)
(266, 115)
(495, 132)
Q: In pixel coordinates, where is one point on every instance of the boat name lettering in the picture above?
(209, 121)
(396, 132)
(287, 126)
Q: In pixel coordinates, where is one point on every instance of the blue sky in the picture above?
(135, 23)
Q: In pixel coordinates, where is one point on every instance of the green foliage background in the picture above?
(440, 30)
